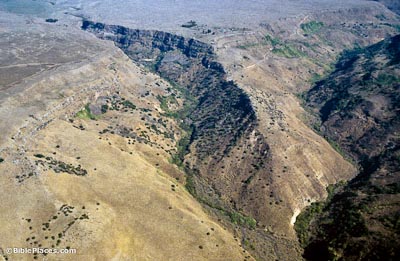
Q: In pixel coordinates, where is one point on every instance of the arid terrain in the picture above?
(184, 130)
(362, 117)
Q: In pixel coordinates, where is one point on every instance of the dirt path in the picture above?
(28, 64)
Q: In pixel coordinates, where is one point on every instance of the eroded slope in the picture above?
(358, 106)
(85, 165)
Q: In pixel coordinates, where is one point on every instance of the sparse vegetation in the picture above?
(128, 104)
(337, 147)
(189, 185)
(59, 166)
(86, 114)
(305, 218)
(283, 49)
(242, 220)
(280, 47)
(288, 51)
(166, 102)
(311, 27)
(181, 115)
(272, 40)
(365, 210)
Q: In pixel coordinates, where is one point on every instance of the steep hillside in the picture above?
(393, 5)
(273, 66)
(225, 155)
(84, 158)
(358, 105)
(222, 153)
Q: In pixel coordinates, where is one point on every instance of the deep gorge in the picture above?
(220, 124)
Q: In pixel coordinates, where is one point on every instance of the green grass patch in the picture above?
(181, 116)
(287, 51)
(311, 27)
(267, 40)
(272, 40)
(242, 220)
(281, 48)
(86, 114)
(182, 147)
(165, 101)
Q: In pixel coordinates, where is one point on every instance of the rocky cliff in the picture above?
(217, 113)
(225, 157)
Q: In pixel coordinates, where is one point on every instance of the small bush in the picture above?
(190, 24)
(129, 104)
(51, 20)
(239, 219)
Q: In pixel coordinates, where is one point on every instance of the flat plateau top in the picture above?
(169, 15)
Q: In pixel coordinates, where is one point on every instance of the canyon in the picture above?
(181, 141)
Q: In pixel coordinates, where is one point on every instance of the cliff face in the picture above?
(359, 110)
(225, 157)
(217, 113)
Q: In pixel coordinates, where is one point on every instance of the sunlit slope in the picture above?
(66, 182)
